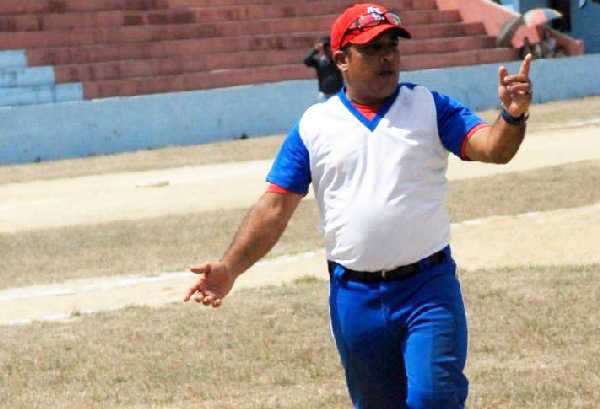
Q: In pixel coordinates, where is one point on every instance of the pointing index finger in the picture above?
(526, 65)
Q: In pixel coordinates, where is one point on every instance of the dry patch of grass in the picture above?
(163, 244)
(557, 187)
(534, 337)
(533, 345)
(172, 243)
(542, 115)
(556, 113)
(266, 348)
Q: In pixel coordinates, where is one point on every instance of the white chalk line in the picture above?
(119, 282)
(108, 283)
(478, 222)
(571, 124)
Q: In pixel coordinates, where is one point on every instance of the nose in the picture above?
(389, 52)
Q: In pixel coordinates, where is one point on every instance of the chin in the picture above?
(388, 88)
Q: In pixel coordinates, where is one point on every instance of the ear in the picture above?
(342, 59)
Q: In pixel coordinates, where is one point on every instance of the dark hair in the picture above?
(326, 41)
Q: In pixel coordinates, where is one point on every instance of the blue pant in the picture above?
(403, 343)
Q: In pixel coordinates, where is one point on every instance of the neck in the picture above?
(364, 100)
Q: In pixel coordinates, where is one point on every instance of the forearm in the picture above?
(260, 230)
(496, 144)
(505, 140)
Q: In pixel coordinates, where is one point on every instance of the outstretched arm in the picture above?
(500, 142)
(257, 234)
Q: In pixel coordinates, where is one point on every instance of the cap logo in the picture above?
(375, 12)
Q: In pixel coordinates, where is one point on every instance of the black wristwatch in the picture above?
(514, 120)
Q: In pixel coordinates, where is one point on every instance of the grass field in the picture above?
(533, 335)
(172, 243)
(533, 330)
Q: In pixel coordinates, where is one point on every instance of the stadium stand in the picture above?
(64, 50)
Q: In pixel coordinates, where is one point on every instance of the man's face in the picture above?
(372, 70)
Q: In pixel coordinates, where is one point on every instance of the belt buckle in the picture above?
(384, 274)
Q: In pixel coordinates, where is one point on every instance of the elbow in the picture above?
(502, 158)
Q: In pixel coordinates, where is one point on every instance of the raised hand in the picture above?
(214, 282)
(515, 91)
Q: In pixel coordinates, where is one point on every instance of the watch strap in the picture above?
(514, 120)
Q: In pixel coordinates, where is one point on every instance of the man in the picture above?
(376, 154)
(328, 74)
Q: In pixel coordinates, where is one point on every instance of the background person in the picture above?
(527, 48)
(549, 47)
(376, 154)
(328, 74)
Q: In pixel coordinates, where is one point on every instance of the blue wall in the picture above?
(78, 129)
(586, 25)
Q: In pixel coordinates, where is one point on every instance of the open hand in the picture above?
(214, 282)
(515, 91)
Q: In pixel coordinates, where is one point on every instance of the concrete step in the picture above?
(13, 59)
(186, 63)
(175, 65)
(428, 31)
(43, 94)
(260, 11)
(70, 21)
(194, 81)
(97, 19)
(273, 73)
(341, 4)
(20, 7)
(458, 58)
(141, 34)
(27, 76)
(205, 46)
(175, 48)
(15, 7)
(446, 44)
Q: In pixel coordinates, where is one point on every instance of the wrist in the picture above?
(514, 120)
(232, 269)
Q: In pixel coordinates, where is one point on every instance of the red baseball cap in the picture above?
(361, 23)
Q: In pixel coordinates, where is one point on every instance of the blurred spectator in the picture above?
(330, 78)
(527, 48)
(548, 43)
(547, 47)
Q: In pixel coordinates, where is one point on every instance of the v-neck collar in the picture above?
(370, 124)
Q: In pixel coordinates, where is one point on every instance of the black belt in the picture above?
(398, 273)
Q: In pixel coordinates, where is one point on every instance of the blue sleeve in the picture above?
(291, 169)
(455, 121)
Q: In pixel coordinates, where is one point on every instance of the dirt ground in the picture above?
(554, 237)
(133, 195)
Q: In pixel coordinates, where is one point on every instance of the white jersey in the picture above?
(380, 184)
